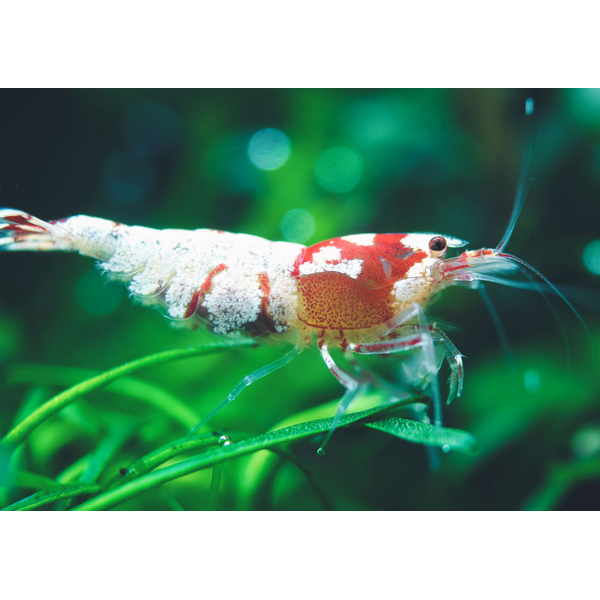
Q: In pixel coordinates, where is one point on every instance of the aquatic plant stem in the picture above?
(50, 495)
(216, 456)
(16, 435)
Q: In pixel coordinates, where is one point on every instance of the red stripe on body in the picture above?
(299, 260)
(265, 285)
(20, 220)
(23, 228)
(265, 288)
(267, 317)
(204, 288)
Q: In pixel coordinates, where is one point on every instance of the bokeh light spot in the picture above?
(297, 225)
(268, 149)
(338, 170)
(533, 381)
(586, 442)
(97, 296)
(591, 257)
(529, 105)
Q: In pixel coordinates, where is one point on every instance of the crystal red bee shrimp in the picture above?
(362, 293)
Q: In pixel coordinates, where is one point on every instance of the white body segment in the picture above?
(174, 265)
(222, 276)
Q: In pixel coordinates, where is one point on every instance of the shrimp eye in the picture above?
(437, 244)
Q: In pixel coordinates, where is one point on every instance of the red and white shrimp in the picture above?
(364, 294)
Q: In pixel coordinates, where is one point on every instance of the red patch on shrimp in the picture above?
(204, 288)
(21, 220)
(334, 299)
(386, 259)
(265, 288)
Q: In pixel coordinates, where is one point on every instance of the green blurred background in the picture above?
(345, 162)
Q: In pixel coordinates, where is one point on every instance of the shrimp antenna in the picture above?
(504, 343)
(535, 287)
(525, 179)
(557, 292)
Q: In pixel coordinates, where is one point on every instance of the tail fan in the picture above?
(21, 231)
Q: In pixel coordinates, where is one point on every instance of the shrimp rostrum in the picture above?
(363, 294)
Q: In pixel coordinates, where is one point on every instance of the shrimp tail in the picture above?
(21, 231)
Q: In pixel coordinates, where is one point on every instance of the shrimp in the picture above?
(364, 294)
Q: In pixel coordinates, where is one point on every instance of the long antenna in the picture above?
(504, 343)
(525, 179)
(534, 287)
(557, 292)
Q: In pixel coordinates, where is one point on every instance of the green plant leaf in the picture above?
(74, 470)
(105, 451)
(131, 387)
(262, 466)
(216, 456)
(423, 433)
(53, 494)
(33, 481)
(16, 435)
(169, 500)
(560, 480)
(161, 455)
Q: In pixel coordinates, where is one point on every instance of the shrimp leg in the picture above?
(245, 382)
(408, 342)
(424, 337)
(353, 388)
